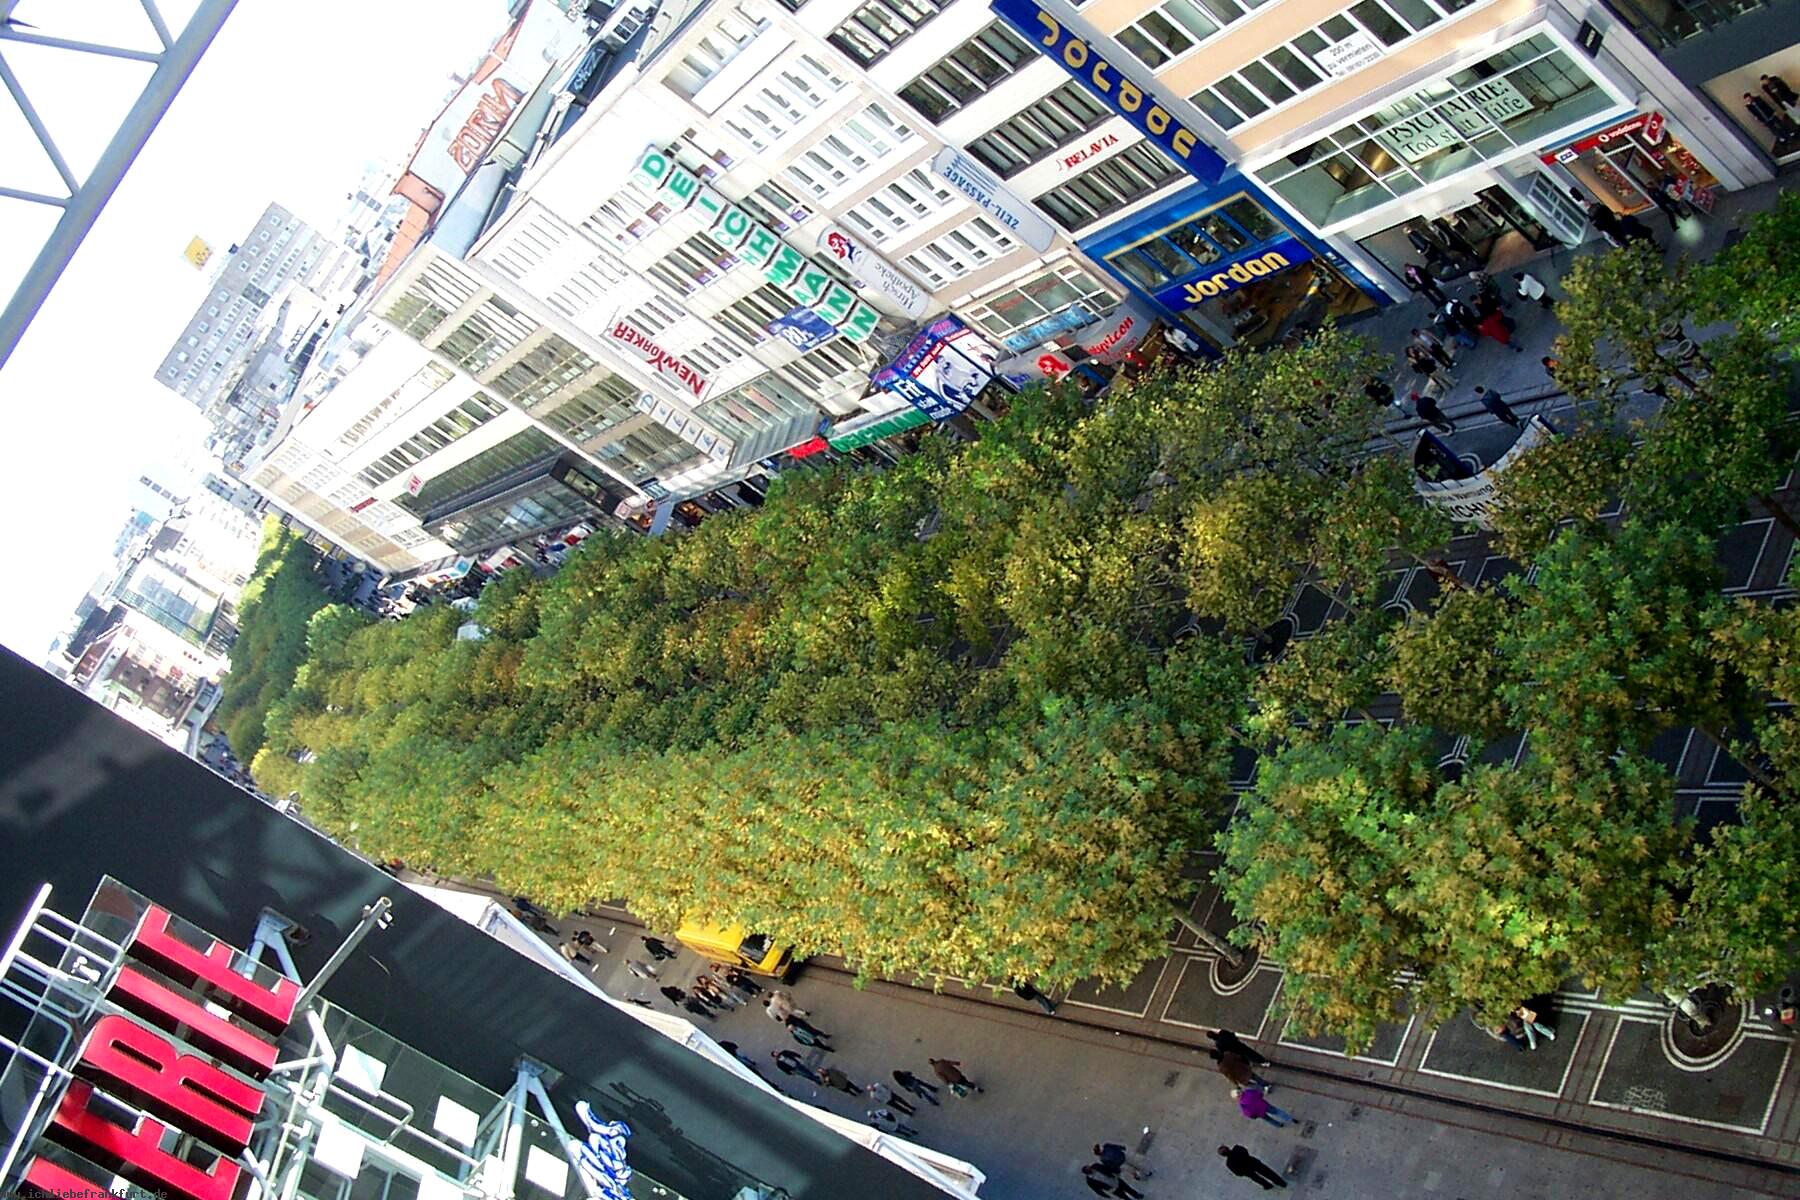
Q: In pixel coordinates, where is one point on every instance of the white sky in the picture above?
(291, 101)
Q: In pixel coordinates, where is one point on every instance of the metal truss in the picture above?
(82, 199)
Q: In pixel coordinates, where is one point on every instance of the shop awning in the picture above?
(863, 430)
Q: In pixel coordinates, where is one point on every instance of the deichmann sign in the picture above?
(661, 361)
(973, 181)
(905, 297)
(754, 244)
(1266, 261)
(176, 1085)
(1130, 100)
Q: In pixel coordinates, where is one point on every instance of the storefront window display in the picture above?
(1624, 164)
(1516, 99)
(1763, 97)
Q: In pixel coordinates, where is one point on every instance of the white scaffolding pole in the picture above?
(86, 197)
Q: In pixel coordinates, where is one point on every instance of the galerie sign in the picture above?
(871, 270)
(665, 364)
(753, 243)
(160, 1065)
(1454, 121)
(1248, 270)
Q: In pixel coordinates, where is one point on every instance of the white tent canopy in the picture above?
(950, 1175)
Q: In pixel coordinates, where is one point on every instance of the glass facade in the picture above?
(1663, 23)
(170, 599)
(536, 505)
(1037, 298)
(1516, 99)
(1197, 242)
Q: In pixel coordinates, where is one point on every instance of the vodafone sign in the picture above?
(163, 1063)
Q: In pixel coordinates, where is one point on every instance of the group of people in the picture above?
(891, 1107)
(1776, 109)
(1431, 359)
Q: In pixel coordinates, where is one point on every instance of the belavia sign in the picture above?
(177, 1085)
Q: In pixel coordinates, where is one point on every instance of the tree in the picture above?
(1336, 671)
(1755, 283)
(281, 596)
(1569, 479)
(1449, 667)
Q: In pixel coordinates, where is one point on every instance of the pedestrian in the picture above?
(1486, 290)
(950, 1071)
(1421, 283)
(658, 949)
(641, 969)
(885, 1120)
(1113, 1157)
(806, 1035)
(831, 1077)
(1495, 325)
(917, 1086)
(1777, 89)
(1237, 1069)
(731, 1048)
(1460, 320)
(1633, 230)
(694, 1005)
(884, 1096)
(1429, 342)
(1378, 390)
(1532, 288)
(1245, 1165)
(1227, 1041)
(1428, 368)
(1108, 1183)
(572, 954)
(586, 941)
(674, 995)
(1256, 1107)
(1431, 414)
(779, 1004)
(1775, 122)
(714, 993)
(1666, 195)
(1024, 991)
(1599, 216)
(1528, 1026)
(1491, 401)
(737, 978)
(790, 1063)
(1552, 365)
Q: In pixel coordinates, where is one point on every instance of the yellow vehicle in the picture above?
(732, 944)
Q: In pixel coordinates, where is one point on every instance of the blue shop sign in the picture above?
(1073, 317)
(1131, 100)
(1264, 260)
(803, 329)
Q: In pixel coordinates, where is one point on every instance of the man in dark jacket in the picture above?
(1245, 1165)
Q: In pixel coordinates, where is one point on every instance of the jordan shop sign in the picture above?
(153, 1063)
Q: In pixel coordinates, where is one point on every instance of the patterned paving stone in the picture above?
(1735, 1092)
(1461, 1050)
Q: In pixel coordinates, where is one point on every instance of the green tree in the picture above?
(1569, 479)
(281, 596)
(1449, 668)
(1755, 282)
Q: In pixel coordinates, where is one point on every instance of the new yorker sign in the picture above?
(163, 1062)
(1113, 86)
(738, 234)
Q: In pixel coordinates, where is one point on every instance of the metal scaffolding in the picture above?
(82, 199)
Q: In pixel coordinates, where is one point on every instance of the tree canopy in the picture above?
(281, 596)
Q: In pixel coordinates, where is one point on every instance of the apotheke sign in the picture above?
(887, 281)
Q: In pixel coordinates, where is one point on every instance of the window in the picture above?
(1109, 186)
(1196, 243)
(1301, 65)
(1041, 296)
(966, 72)
(1038, 131)
(775, 108)
(542, 371)
(880, 25)
(1178, 26)
(915, 197)
(485, 335)
(964, 249)
(1520, 97)
(839, 156)
(716, 47)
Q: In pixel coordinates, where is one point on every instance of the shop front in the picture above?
(1220, 263)
(1625, 164)
(1447, 177)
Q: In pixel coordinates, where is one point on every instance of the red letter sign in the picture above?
(188, 1091)
(174, 1013)
(137, 1153)
(271, 1008)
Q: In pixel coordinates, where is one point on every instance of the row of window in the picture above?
(870, 32)
(1039, 130)
(465, 418)
(783, 101)
(1302, 64)
(914, 198)
(1177, 26)
(961, 251)
(851, 148)
(732, 31)
(411, 391)
(967, 72)
(1109, 186)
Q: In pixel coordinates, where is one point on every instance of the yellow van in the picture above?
(732, 944)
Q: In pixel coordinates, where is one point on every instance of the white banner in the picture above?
(1454, 121)
(1471, 500)
(889, 287)
(985, 192)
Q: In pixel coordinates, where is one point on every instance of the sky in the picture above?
(289, 104)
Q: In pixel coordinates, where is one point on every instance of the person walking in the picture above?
(1113, 1157)
(1103, 1182)
(1024, 991)
(779, 1004)
(1491, 401)
(737, 978)
(641, 969)
(1379, 391)
(714, 993)
(917, 1086)
(1460, 321)
(790, 1063)
(1256, 1107)
(1237, 1069)
(572, 954)
(884, 1096)
(885, 1120)
(1245, 1165)
(1634, 230)
(658, 949)
(807, 1036)
(1429, 342)
(1495, 325)
(1420, 283)
(1428, 368)
(831, 1077)
(1667, 201)
(1431, 414)
(1552, 365)
(950, 1071)
(1226, 1041)
(1532, 288)
(731, 1048)
(1599, 216)
(1521, 1029)
(674, 995)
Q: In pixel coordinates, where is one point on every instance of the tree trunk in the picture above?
(1208, 938)
(1782, 516)
(1756, 773)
